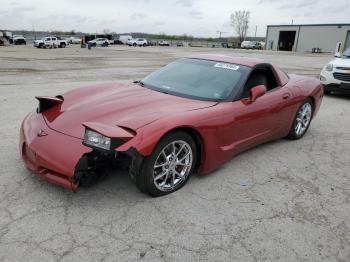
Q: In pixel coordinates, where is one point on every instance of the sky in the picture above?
(201, 18)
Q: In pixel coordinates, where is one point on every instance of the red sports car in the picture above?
(190, 116)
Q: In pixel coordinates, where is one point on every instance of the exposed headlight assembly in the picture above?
(106, 137)
(101, 142)
(329, 67)
(97, 140)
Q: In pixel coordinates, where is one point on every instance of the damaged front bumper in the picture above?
(64, 160)
(49, 154)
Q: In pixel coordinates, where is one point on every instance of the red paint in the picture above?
(143, 116)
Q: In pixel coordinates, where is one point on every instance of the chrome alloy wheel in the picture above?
(173, 165)
(303, 119)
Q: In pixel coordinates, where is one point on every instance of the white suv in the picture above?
(99, 41)
(335, 76)
(138, 42)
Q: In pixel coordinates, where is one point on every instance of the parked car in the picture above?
(19, 40)
(99, 42)
(51, 42)
(138, 42)
(335, 76)
(191, 116)
(164, 43)
(74, 40)
(251, 45)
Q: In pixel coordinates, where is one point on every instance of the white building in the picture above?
(303, 38)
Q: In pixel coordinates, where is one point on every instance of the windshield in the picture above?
(199, 79)
(346, 54)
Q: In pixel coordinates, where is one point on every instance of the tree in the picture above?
(240, 23)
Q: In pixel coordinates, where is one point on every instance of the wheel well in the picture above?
(198, 139)
(313, 104)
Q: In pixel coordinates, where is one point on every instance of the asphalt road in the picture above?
(282, 201)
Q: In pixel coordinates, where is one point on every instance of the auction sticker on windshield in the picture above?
(227, 66)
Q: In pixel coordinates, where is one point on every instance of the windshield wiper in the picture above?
(140, 83)
(164, 92)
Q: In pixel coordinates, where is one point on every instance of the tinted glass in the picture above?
(202, 79)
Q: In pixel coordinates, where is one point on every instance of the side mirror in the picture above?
(256, 92)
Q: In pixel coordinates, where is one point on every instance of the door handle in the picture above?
(286, 96)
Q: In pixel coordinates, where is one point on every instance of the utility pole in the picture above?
(256, 29)
(34, 31)
(220, 33)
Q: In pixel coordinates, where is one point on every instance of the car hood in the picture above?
(341, 62)
(125, 105)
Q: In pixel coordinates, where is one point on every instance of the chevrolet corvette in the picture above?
(188, 117)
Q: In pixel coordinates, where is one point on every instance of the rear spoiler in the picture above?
(46, 102)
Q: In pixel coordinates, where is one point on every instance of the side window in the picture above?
(53, 39)
(284, 78)
(260, 77)
(47, 39)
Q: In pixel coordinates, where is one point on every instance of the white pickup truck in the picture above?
(51, 42)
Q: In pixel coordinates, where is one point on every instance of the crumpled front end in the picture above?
(50, 154)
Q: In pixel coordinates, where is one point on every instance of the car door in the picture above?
(47, 41)
(54, 41)
(252, 123)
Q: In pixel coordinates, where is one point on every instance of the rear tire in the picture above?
(302, 120)
(62, 45)
(170, 165)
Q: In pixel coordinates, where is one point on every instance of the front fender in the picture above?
(148, 137)
(202, 121)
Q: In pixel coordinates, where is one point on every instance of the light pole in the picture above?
(256, 29)
(220, 33)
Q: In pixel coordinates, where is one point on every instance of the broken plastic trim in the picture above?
(91, 167)
(136, 162)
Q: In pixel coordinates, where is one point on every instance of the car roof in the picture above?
(246, 61)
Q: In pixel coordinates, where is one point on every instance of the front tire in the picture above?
(170, 165)
(302, 120)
